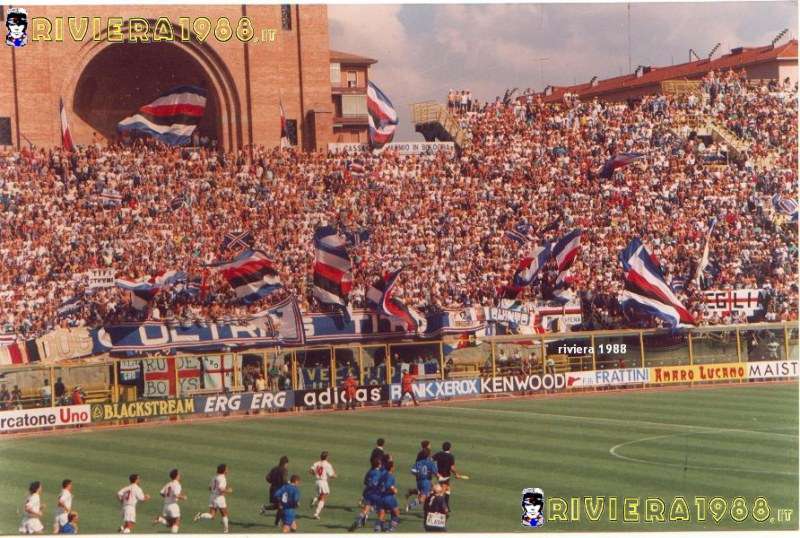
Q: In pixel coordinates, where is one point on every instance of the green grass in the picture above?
(723, 441)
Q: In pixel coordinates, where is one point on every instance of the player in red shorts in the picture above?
(407, 386)
(350, 386)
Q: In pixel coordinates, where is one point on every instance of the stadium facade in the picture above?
(105, 62)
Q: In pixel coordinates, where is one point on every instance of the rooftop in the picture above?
(353, 59)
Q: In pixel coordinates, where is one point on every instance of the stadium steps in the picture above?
(718, 132)
(435, 122)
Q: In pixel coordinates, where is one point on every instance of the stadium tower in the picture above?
(111, 70)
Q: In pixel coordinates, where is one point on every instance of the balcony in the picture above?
(355, 120)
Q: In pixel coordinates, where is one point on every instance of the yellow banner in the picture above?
(142, 409)
(730, 371)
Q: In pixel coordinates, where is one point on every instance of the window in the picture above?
(351, 79)
(5, 131)
(354, 105)
(286, 17)
(336, 74)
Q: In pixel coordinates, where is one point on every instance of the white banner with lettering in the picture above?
(722, 301)
(403, 148)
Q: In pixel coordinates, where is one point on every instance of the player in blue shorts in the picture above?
(288, 495)
(372, 493)
(426, 471)
(388, 501)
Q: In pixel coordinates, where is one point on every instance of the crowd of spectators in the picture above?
(442, 218)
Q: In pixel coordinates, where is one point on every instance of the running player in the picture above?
(322, 470)
(388, 501)
(378, 452)
(32, 510)
(407, 387)
(63, 506)
(289, 497)
(446, 464)
(424, 444)
(128, 497)
(425, 471)
(216, 501)
(372, 492)
(171, 492)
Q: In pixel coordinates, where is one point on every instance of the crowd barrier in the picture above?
(108, 390)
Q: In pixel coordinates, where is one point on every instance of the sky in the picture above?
(424, 50)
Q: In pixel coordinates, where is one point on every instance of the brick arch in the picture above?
(222, 84)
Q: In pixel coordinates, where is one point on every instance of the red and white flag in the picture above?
(284, 132)
(66, 137)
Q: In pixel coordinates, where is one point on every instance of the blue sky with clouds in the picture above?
(423, 50)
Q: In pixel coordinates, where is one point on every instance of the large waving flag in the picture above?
(145, 289)
(382, 117)
(333, 279)
(704, 260)
(380, 297)
(251, 274)
(618, 161)
(646, 290)
(526, 272)
(565, 251)
(172, 118)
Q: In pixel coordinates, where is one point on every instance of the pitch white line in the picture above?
(614, 452)
(582, 418)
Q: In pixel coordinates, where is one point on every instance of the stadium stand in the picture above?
(442, 218)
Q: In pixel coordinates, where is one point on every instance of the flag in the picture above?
(530, 266)
(172, 118)
(553, 226)
(218, 372)
(519, 233)
(71, 305)
(678, 284)
(145, 289)
(66, 136)
(355, 237)
(178, 202)
(565, 251)
(618, 161)
(332, 268)
(237, 240)
(703, 265)
(380, 297)
(785, 205)
(382, 117)
(252, 275)
(284, 130)
(109, 197)
(646, 291)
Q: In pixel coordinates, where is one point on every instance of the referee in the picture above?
(446, 463)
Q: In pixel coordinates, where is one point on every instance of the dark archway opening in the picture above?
(125, 76)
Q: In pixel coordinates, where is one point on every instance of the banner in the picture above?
(161, 381)
(218, 372)
(248, 401)
(771, 369)
(142, 409)
(439, 390)
(403, 148)
(328, 397)
(62, 344)
(278, 325)
(698, 372)
(44, 417)
(507, 315)
(522, 383)
(100, 278)
(367, 325)
(607, 378)
(736, 301)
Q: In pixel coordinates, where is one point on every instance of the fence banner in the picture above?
(142, 409)
(334, 397)
(607, 378)
(439, 390)
(772, 369)
(727, 301)
(247, 401)
(522, 383)
(699, 372)
(44, 417)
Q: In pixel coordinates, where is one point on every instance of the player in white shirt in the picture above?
(172, 493)
(64, 506)
(322, 470)
(216, 501)
(128, 497)
(32, 511)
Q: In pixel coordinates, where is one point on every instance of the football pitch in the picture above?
(726, 442)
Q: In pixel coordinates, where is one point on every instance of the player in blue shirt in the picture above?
(71, 526)
(388, 501)
(288, 495)
(425, 470)
(372, 492)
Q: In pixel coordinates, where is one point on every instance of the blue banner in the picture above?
(246, 401)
